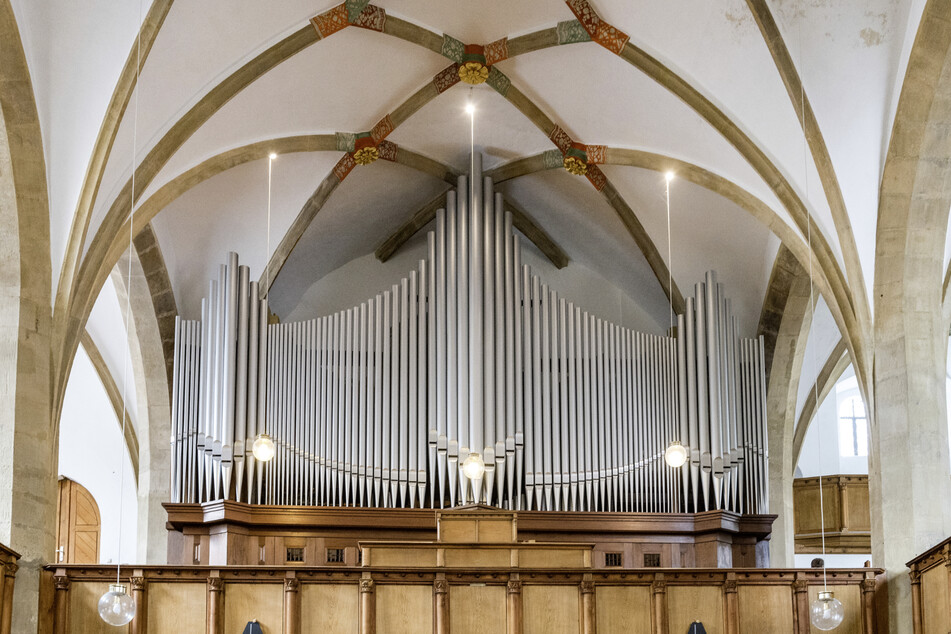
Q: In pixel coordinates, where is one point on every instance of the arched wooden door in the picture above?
(77, 526)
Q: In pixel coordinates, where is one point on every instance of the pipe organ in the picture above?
(380, 405)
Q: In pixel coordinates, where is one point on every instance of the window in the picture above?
(613, 560)
(853, 428)
(652, 560)
(335, 555)
(294, 555)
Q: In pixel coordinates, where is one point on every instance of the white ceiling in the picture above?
(851, 57)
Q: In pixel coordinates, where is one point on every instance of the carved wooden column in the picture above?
(732, 608)
(367, 606)
(9, 572)
(915, 577)
(513, 607)
(868, 606)
(659, 606)
(140, 622)
(292, 616)
(801, 606)
(947, 562)
(61, 604)
(441, 604)
(843, 507)
(589, 609)
(215, 618)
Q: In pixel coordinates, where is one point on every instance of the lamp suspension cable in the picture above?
(826, 611)
(116, 607)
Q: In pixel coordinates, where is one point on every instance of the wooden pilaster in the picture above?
(140, 622)
(61, 604)
(292, 613)
(589, 614)
(367, 606)
(659, 605)
(215, 615)
(441, 606)
(513, 606)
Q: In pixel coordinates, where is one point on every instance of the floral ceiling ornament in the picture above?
(473, 68)
(576, 159)
(365, 151)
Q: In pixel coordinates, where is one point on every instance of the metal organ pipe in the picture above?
(378, 404)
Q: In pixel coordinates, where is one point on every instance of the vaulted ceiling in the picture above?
(715, 92)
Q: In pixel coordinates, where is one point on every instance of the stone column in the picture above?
(801, 606)
(292, 615)
(61, 604)
(795, 319)
(367, 606)
(215, 619)
(140, 623)
(441, 606)
(589, 611)
(659, 606)
(513, 607)
(732, 609)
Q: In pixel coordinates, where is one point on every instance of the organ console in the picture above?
(379, 405)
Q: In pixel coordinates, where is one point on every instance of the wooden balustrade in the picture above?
(398, 600)
(931, 589)
(8, 571)
(847, 521)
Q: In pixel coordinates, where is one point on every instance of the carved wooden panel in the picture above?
(934, 600)
(686, 604)
(404, 609)
(172, 605)
(623, 609)
(247, 601)
(329, 608)
(84, 612)
(765, 608)
(475, 609)
(851, 598)
(551, 609)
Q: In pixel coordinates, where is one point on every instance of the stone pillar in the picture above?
(513, 607)
(732, 608)
(441, 606)
(781, 394)
(148, 371)
(292, 615)
(589, 611)
(868, 606)
(61, 604)
(659, 606)
(367, 606)
(27, 412)
(801, 623)
(6, 613)
(140, 623)
(215, 618)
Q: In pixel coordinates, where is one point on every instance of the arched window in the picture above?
(853, 428)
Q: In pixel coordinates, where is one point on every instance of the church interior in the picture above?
(389, 317)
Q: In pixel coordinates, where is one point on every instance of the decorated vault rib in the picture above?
(379, 405)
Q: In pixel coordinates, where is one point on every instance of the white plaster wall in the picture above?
(835, 561)
(820, 448)
(89, 453)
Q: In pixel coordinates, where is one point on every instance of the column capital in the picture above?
(659, 587)
(915, 577)
(729, 586)
(800, 586)
(61, 582)
(587, 587)
(291, 584)
(367, 586)
(216, 584)
(137, 583)
(10, 568)
(441, 586)
(514, 586)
